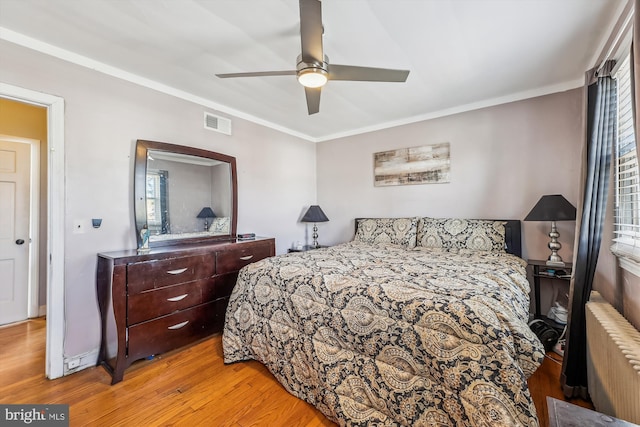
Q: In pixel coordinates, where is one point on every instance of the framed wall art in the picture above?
(428, 164)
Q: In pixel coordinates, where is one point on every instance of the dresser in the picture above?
(158, 301)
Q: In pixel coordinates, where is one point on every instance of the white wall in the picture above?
(104, 117)
(503, 159)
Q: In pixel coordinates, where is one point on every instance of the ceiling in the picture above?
(462, 54)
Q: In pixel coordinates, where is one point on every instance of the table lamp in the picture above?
(314, 214)
(553, 208)
(206, 213)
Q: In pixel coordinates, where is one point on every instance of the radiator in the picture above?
(613, 361)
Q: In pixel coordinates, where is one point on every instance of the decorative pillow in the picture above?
(220, 225)
(397, 231)
(456, 234)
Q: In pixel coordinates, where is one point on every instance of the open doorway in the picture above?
(20, 287)
(51, 218)
(23, 230)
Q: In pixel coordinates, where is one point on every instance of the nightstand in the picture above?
(544, 271)
(306, 248)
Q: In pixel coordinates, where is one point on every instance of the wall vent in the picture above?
(217, 123)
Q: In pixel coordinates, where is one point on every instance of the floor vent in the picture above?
(217, 123)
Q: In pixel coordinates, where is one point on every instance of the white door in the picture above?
(15, 172)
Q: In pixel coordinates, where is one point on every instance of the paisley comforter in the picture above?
(383, 335)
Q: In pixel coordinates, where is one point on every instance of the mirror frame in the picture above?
(140, 198)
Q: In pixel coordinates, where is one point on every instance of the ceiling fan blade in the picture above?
(311, 31)
(366, 74)
(313, 99)
(258, 74)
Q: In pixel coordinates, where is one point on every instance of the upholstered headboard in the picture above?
(512, 236)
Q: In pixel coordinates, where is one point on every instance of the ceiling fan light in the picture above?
(312, 77)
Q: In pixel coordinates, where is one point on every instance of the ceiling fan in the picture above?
(313, 69)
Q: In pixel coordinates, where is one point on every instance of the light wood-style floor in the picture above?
(190, 387)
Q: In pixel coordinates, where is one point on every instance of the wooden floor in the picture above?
(191, 387)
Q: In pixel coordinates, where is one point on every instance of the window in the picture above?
(627, 212)
(157, 211)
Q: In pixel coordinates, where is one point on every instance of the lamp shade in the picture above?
(552, 208)
(314, 214)
(206, 213)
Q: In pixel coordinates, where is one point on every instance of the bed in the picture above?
(417, 321)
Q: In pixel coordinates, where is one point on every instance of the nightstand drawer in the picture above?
(148, 275)
(234, 260)
(158, 302)
(172, 331)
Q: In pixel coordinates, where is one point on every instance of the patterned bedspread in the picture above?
(382, 335)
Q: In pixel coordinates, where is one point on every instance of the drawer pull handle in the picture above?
(178, 298)
(178, 271)
(246, 258)
(179, 325)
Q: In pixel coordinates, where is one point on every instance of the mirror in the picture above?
(183, 194)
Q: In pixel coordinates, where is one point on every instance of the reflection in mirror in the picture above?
(179, 186)
(157, 211)
(188, 194)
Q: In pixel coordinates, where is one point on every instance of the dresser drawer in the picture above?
(221, 312)
(158, 302)
(225, 284)
(172, 331)
(148, 275)
(221, 287)
(235, 259)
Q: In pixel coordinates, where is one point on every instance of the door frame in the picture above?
(33, 281)
(54, 358)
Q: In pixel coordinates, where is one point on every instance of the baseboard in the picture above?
(79, 362)
(42, 311)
